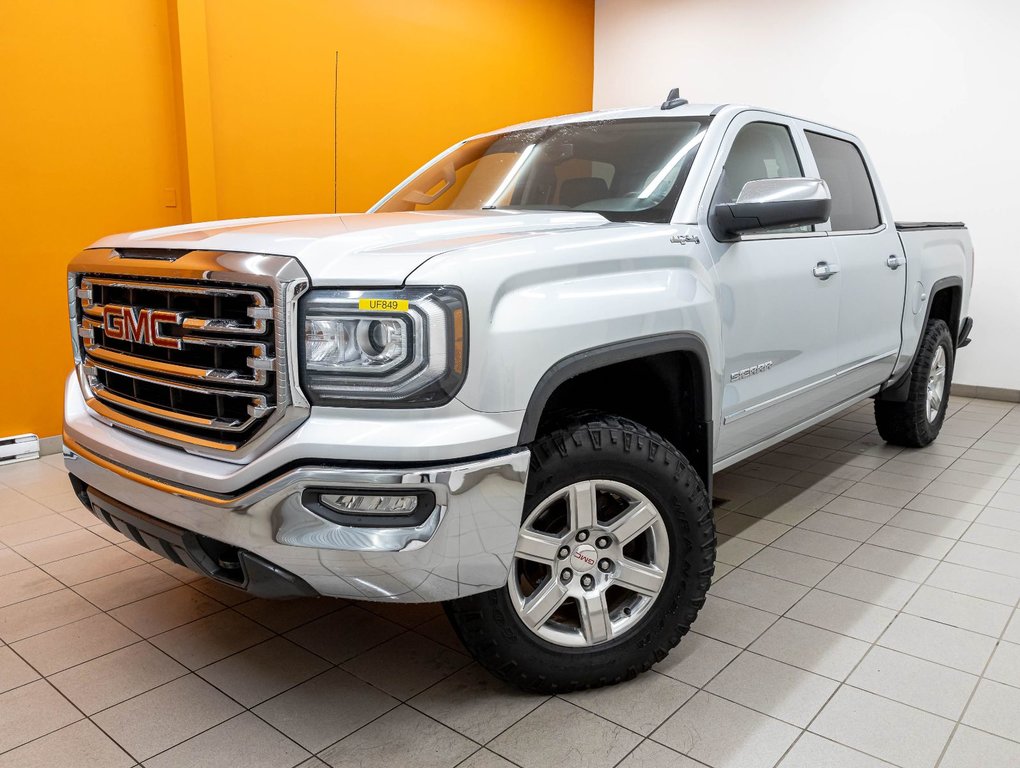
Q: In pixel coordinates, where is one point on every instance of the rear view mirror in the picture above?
(771, 203)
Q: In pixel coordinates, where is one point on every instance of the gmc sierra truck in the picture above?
(507, 385)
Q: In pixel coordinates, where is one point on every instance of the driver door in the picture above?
(779, 318)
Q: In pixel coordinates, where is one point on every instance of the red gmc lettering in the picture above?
(140, 325)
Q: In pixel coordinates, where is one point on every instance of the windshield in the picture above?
(627, 170)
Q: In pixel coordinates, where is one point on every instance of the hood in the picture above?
(357, 249)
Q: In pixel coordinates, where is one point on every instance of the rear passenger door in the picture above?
(778, 318)
(873, 276)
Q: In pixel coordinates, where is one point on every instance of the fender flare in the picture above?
(899, 389)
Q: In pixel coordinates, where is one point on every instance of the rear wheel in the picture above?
(613, 560)
(918, 420)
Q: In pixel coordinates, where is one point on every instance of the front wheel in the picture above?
(613, 560)
(917, 421)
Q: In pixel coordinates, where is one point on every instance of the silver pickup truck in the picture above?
(507, 386)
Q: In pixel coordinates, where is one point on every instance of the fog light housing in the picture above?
(376, 509)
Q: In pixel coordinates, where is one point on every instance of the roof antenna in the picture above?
(673, 100)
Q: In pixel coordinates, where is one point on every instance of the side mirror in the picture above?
(772, 203)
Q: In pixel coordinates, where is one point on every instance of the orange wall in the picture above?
(87, 147)
(105, 106)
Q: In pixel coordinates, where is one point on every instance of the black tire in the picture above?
(907, 423)
(615, 449)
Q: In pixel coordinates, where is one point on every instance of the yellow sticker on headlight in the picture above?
(383, 305)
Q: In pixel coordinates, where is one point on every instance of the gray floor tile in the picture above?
(475, 703)
(697, 659)
(861, 510)
(242, 741)
(394, 736)
(958, 610)
(971, 581)
(844, 615)
(910, 680)
(1005, 664)
(995, 708)
(790, 566)
(986, 559)
(751, 528)
(731, 622)
(815, 544)
(970, 748)
(703, 729)
(811, 648)
(882, 728)
(80, 744)
(773, 688)
(182, 708)
(63, 545)
(926, 522)
(210, 639)
(326, 708)
(640, 705)
(912, 542)
(869, 587)
(558, 733)
(74, 643)
(263, 671)
(950, 646)
(483, 758)
(31, 711)
(406, 665)
(25, 584)
(901, 565)
(30, 617)
(167, 610)
(91, 565)
(650, 754)
(125, 587)
(759, 591)
(116, 677)
(344, 634)
(734, 551)
(812, 751)
(958, 510)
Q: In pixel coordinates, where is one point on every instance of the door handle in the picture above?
(825, 270)
(895, 262)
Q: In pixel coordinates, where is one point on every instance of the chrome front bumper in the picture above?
(465, 546)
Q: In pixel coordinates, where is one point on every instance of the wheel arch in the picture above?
(945, 303)
(672, 396)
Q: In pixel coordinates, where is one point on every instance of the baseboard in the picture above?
(986, 393)
(50, 445)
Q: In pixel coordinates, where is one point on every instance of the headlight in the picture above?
(396, 348)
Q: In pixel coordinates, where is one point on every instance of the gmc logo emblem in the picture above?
(585, 558)
(140, 325)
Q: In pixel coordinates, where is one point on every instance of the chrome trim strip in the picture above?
(768, 442)
(736, 416)
(258, 302)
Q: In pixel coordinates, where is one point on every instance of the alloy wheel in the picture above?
(590, 561)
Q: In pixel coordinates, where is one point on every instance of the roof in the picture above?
(686, 110)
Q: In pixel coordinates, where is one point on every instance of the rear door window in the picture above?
(854, 206)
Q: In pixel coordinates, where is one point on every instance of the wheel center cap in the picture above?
(584, 558)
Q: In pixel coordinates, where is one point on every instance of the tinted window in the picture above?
(853, 198)
(760, 151)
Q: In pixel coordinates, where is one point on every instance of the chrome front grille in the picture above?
(198, 363)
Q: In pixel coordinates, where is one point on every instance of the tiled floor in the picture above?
(865, 610)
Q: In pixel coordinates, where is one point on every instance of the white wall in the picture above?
(929, 85)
